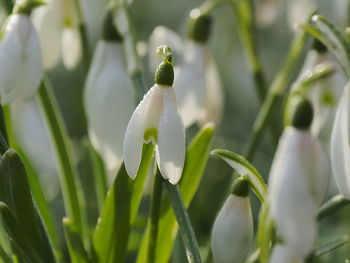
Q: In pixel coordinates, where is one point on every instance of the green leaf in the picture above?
(76, 248)
(265, 233)
(118, 212)
(243, 167)
(196, 160)
(15, 191)
(335, 203)
(19, 241)
(333, 39)
(328, 247)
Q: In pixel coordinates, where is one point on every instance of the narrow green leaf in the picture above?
(265, 233)
(119, 210)
(69, 179)
(75, 244)
(330, 246)
(15, 191)
(196, 160)
(243, 167)
(19, 241)
(335, 203)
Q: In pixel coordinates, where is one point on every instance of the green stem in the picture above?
(154, 217)
(276, 91)
(8, 5)
(3, 126)
(71, 189)
(334, 204)
(100, 178)
(244, 14)
(188, 237)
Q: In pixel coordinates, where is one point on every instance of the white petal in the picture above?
(213, 108)
(267, 11)
(340, 152)
(171, 139)
(20, 60)
(146, 116)
(71, 47)
(232, 232)
(294, 193)
(189, 83)
(282, 253)
(162, 35)
(109, 103)
(48, 21)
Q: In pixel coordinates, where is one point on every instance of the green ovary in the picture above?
(151, 134)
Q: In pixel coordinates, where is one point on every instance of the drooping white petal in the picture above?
(189, 83)
(109, 102)
(145, 117)
(71, 47)
(298, 182)
(232, 232)
(20, 60)
(281, 253)
(48, 21)
(214, 100)
(162, 35)
(340, 152)
(171, 139)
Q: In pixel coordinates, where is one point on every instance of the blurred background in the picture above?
(241, 105)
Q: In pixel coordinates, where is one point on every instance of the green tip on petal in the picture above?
(26, 7)
(240, 186)
(110, 32)
(165, 72)
(303, 115)
(199, 26)
(319, 47)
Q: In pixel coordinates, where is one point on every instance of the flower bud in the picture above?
(303, 115)
(110, 32)
(199, 26)
(233, 228)
(165, 72)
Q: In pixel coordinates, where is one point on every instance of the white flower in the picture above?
(57, 24)
(156, 119)
(340, 151)
(233, 228)
(48, 21)
(298, 182)
(283, 254)
(267, 11)
(32, 136)
(197, 83)
(109, 102)
(20, 59)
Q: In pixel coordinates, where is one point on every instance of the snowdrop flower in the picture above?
(267, 11)
(20, 56)
(156, 119)
(298, 182)
(340, 151)
(233, 228)
(48, 21)
(109, 97)
(283, 254)
(58, 27)
(197, 84)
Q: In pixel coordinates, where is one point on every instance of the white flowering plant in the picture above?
(110, 114)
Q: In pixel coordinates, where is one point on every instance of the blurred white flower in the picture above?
(20, 59)
(48, 21)
(156, 119)
(109, 100)
(283, 254)
(267, 11)
(57, 24)
(197, 83)
(340, 151)
(298, 182)
(32, 136)
(232, 232)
